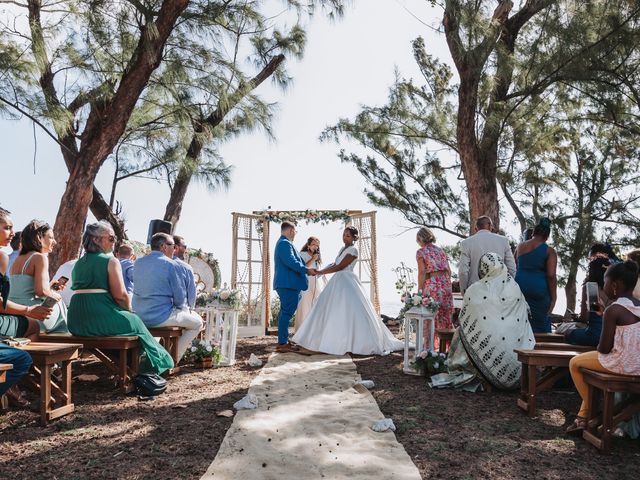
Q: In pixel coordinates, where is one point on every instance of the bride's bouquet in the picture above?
(410, 301)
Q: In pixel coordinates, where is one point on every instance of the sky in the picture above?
(347, 63)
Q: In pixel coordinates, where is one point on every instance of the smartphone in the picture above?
(593, 301)
(61, 282)
(49, 302)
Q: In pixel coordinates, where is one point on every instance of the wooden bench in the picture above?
(445, 335)
(55, 400)
(599, 431)
(549, 337)
(117, 364)
(557, 364)
(564, 347)
(169, 337)
(3, 371)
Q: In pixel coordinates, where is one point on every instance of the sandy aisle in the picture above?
(310, 423)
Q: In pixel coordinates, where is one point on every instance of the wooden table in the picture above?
(557, 363)
(3, 371)
(55, 400)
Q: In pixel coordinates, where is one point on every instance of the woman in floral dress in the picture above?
(434, 278)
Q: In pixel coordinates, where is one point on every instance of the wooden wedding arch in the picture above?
(252, 253)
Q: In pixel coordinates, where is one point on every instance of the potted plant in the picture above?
(203, 353)
(430, 363)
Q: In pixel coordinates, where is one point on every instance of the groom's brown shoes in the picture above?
(290, 348)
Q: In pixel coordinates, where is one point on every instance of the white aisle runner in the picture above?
(310, 423)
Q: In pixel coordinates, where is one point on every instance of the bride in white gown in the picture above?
(343, 319)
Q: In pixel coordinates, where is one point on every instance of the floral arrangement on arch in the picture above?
(417, 300)
(430, 363)
(229, 297)
(310, 216)
(201, 349)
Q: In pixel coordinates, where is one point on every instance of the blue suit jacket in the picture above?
(290, 270)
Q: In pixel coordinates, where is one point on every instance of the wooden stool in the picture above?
(44, 356)
(557, 363)
(563, 346)
(3, 371)
(169, 340)
(600, 428)
(445, 335)
(549, 337)
(118, 365)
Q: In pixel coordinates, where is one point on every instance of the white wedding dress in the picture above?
(343, 319)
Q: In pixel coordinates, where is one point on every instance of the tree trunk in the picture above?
(104, 126)
(479, 171)
(178, 194)
(69, 224)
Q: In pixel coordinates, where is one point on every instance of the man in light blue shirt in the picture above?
(159, 297)
(186, 269)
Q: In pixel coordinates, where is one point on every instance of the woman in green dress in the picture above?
(101, 305)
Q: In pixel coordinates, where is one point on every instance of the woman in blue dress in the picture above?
(536, 275)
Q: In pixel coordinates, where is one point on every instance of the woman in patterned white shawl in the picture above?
(493, 322)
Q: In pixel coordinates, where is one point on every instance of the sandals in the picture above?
(576, 428)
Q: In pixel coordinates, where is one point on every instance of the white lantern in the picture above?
(222, 328)
(414, 320)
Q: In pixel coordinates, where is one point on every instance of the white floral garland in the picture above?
(309, 216)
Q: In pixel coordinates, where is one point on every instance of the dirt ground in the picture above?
(448, 434)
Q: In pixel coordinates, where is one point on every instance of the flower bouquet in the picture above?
(203, 353)
(226, 297)
(430, 363)
(410, 301)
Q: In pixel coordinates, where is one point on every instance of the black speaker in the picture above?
(156, 226)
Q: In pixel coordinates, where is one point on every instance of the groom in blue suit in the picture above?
(289, 280)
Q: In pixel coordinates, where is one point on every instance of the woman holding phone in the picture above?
(30, 283)
(600, 257)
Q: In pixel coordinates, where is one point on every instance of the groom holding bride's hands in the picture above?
(289, 280)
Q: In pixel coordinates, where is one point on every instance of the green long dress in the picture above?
(97, 314)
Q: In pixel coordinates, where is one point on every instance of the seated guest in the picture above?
(493, 322)
(101, 306)
(159, 295)
(65, 270)
(13, 316)
(186, 269)
(601, 256)
(619, 347)
(634, 256)
(125, 256)
(15, 247)
(536, 275)
(21, 362)
(30, 282)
